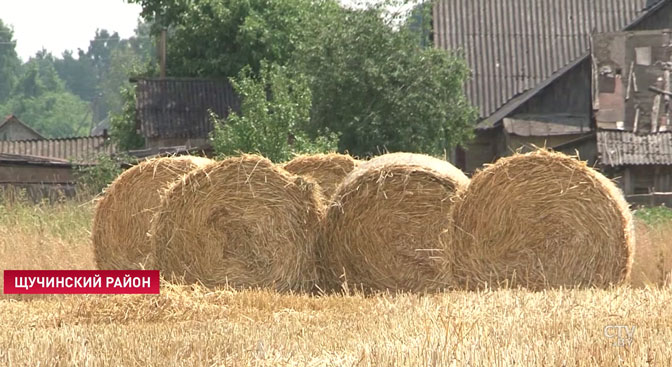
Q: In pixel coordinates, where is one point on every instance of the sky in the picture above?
(59, 25)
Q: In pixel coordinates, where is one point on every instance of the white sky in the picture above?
(59, 25)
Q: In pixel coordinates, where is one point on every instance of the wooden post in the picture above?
(627, 181)
(162, 52)
(655, 113)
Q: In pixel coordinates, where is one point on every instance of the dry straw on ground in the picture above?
(123, 214)
(382, 228)
(328, 170)
(243, 222)
(538, 220)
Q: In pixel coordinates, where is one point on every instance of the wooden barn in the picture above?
(36, 178)
(536, 79)
(175, 112)
(45, 168)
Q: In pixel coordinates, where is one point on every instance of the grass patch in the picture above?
(658, 215)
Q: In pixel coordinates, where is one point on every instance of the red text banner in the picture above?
(81, 282)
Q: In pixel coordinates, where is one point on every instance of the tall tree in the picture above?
(9, 61)
(376, 85)
(371, 79)
(220, 37)
(41, 100)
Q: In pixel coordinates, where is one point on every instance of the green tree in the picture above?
(372, 80)
(78, 73)
(41, 100)
(274, 106)
(10, 63)
(220, 37)
(380, 89)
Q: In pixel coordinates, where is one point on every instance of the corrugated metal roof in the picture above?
(617, 148)
(80, 149)
(513, 45)
(178, 107)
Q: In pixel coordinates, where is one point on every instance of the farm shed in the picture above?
(14, 129)
(531, 66)
(175, 111)
(79, 149)
(40, 177)
(643, 162)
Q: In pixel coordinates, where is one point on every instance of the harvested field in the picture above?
(197, 326)
(383, 226)
(540, 220)
(243, 222)
(124, 212)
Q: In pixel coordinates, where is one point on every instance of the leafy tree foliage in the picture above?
(381, 90)
(273, 109)
(40, 99)
(220, 37)
(372, 79)
(9, 62)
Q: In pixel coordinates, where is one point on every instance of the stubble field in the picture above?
(195, 326)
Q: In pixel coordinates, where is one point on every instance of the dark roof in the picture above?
(82, 148)
(13, 118)
(618, 148)
(514, 46)
(178, 107)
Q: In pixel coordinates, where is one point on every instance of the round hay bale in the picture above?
(539, 220)
(382, 229)
(123, 214)
(327, 170)
(242, 222)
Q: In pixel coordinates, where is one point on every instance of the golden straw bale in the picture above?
(242, 222)
(538, 220)
(382, 229)
(328, 170)
(123, 214)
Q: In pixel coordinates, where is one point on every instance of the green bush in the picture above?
(275, 109)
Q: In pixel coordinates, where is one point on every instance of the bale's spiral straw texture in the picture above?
(123, 214)
(538, 220)
(241, 222)
(328, 170)
(382, 228)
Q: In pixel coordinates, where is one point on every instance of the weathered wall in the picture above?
(172, 142)
(627, 66)
(569, 94)
(479, 151)
(13, 131)
(658, 20)
(17, 173)
(37, 182)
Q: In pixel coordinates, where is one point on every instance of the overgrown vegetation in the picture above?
(275, 108)
(93, 179)
(654, 216)
(123, 131)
